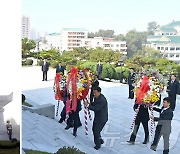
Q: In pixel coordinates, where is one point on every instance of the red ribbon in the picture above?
(143, 89)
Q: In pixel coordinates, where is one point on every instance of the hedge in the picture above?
(29, 62)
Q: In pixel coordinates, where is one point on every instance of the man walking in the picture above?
(99, 69)
(60, 68)
(173, 90)
(45, 68)
(164, 125)
(142, 117)
(131, 80)
(100, 108)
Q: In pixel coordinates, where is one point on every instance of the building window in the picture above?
(171, 55)
(117, 45)
(162, 48)
(123, 45)
(158, 48)
(177, 48)
(172, 48)
(177, 56)
(166, 48)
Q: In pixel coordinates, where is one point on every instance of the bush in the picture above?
(90, 65)
(108, 71)
(29, 62)
(123, 70)
(54, 64)
(39, 63)
(69, 150)
(68, 67)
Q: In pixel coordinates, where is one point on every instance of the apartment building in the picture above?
(25, 27)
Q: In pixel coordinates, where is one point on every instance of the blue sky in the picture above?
(119, 15)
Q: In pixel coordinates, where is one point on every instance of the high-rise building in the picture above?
(25, 27)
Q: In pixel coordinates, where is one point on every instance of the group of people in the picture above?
(164, 120)
(98, 104)
(45, 68)
(60, 69)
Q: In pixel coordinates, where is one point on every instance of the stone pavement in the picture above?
(45, 134)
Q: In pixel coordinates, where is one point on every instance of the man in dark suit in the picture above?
(60, 68)
(99, 69)
(100, 108)
(142, 117)
(131, 80)
(164, 125)
(45, 68)
(173, 90)
(93, 85)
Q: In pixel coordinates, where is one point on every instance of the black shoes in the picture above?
(74, 134)
(61, 120)
(101, 141)
(97, 147)
(67, 127)
(131, 142)
(153, 148)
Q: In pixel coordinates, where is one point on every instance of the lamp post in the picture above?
(120, 63)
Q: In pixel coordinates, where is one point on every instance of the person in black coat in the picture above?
(45, 68)
(60, 68)
(173, 90)
(164, 125)
(100, 108)
(131, 81)
(93, 85)
(99, 69)
(142, 117)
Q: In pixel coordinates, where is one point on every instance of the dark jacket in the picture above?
(99, 68)
(143, 114)
(94, 84)
(131, 78)
(60, 69)
(45, 67)
(100, 108)
(164, 120)
(173, 88)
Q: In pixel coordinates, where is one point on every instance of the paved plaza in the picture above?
(45, 134)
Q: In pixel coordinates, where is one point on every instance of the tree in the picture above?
(102, 33)
(120, 37)
(27, 45)
(134, 41)
(151, 27)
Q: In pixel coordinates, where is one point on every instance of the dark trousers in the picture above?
(63, 113)
(131, 92)
(44, 75)
(173, 101)
(136, 128)
(99, 75)
(157, 137)
(74, 121)
(9, 132)
(97, 128)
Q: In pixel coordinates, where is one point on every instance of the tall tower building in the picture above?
(25, 27)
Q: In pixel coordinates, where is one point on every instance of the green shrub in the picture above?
(39, 63)
(90, 65)
(108, 71)
(69, 150)
(29, 62)
(123, 70)
(53, 64)
(68, 67)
